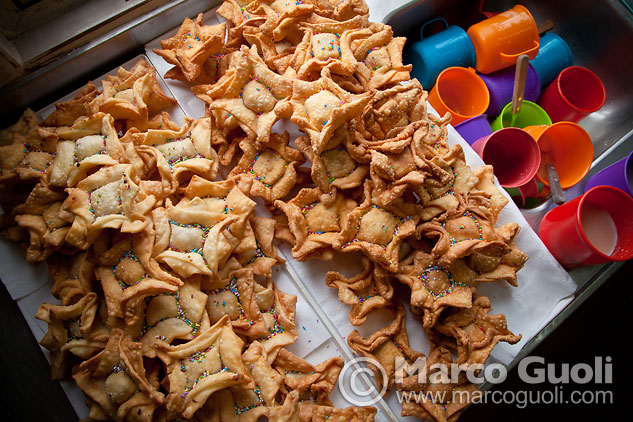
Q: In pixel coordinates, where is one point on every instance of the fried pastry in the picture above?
(384, 347)
(314, 223)
(433, 287)
(190, 48)
(376, 231)
(180, 154)
(366, 291)
(271, 170)
(208, 363)
(472, 332)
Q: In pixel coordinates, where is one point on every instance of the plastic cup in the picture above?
(531, 114)
(568, 147)
(573, 95)
(553, 56)
(593, 228)
(524, 193)
(461, 92)
(474, 128)
(501, 87)
(513, 154)
(619, 175)
(499, 40)
(436, 52)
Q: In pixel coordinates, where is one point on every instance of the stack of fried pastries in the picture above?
(164, 266)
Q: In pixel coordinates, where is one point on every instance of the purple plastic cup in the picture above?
(474, 128)
(618, 174)
(501, 86)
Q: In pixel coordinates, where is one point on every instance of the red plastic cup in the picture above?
(573, 95)
(594, 228)
(513, 153)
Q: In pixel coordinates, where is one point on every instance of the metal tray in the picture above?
(599, 33)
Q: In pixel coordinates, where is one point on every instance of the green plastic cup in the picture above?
(530, 114)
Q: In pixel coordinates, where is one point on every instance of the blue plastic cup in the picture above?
(441, 50)
(553, 56)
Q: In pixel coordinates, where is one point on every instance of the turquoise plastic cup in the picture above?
(434, 53)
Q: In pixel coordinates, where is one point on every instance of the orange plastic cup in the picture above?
(461, 92)
(502, 38)
(568, 147)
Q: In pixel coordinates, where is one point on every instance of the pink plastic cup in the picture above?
(513, 154)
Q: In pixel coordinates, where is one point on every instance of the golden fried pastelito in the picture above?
(132, 96)
(192, 236)
(241, 15)
(72, 330)
(433, 287)
(114, 378)
(24, 129)
(380, 58)
(73, 276)
(192, 45)
(316, 381)
(181, 153)
(265, 376)
(277, 37)
(24, 154)
(208, 363)
(449, 175)
(256, 250)
(188, 241)
(366, 291)
(385, 346)
(237, 299)
(129, 275)
(67, 112)
(377, 232)
(270, 169)
(389, 113)
(315, 224)
(107, 199)
(334, 168)
(326, 44)
(41, 215)
(251, 93)
(280, 321)
(322, 107)
(473, 332)
(471, 248)
(309, 412)
(444, 399)
(235, 404)
(225, 198)
(393, 174)
(172, 317)
(486, 184)
(90, 143)
(341, 10)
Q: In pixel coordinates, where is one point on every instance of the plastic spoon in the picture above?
(520, 76)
